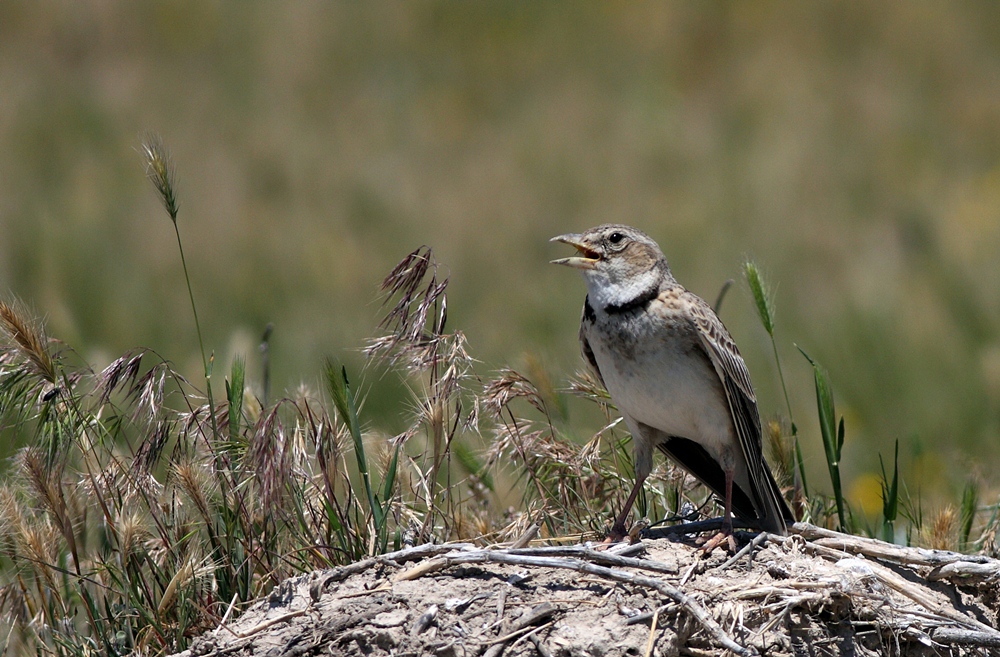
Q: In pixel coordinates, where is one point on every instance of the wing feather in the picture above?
(735, 377)
(588, 352)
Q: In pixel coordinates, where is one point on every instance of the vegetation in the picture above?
(142, 512)
(849, 147)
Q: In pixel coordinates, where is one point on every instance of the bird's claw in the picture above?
(717, 540)
(617, 534)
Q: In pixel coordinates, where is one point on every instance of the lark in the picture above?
(674, 373)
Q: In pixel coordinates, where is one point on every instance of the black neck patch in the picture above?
(588, 310)
(640, 301)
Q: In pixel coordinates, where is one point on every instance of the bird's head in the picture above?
(618, 262)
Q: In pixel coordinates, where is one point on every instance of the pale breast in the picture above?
(656, 370)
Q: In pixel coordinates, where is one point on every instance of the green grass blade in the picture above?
(970, 500)
(991, 528)
(234, 393)
(722, 295)
(340, 390)
(387, 493)
(467, 459)
(160, 170)
(800, 465)
(764, 303)
(833, 437)
(390, 479)
(890, 498)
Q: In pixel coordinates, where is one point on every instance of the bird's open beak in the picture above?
(587, 257)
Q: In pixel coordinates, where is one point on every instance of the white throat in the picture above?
(604, 292)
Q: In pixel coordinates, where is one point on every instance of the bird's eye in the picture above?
(616, 238)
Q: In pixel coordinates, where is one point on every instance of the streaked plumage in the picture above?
(674, 373)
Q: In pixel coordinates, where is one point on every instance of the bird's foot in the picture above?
(722, 537)
(617, 534)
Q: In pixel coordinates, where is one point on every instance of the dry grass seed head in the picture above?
(463, 525)
(122, 372)
(196, 427)
(196, 485)
(586, 386)
(452, 362)
(38, 544)
(148, 393)
(416, 330)
(268, 457)
(131, 531)
(410, 339)
(519, 521)
(11, 512)
(407, 274)
(327, 442)
(298, 453)
(14, 605)
(178, 542)
(405, 281)
(539, 447)
(507, 387)
(555, 463)
(28, 338)
(193, 571)
(943, 529)
(400, 439)
(781, 450)
(252, 408)
(443, 366)
(41, 480)
(148, 455)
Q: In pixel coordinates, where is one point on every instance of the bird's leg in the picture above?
(727, 520)
(619, 531)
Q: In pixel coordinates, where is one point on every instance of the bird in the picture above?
(675, 374)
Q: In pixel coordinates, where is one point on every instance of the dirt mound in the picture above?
(814, 592)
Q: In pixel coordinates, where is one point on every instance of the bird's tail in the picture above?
(774, 514)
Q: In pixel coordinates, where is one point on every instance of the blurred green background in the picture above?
(851, 149)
